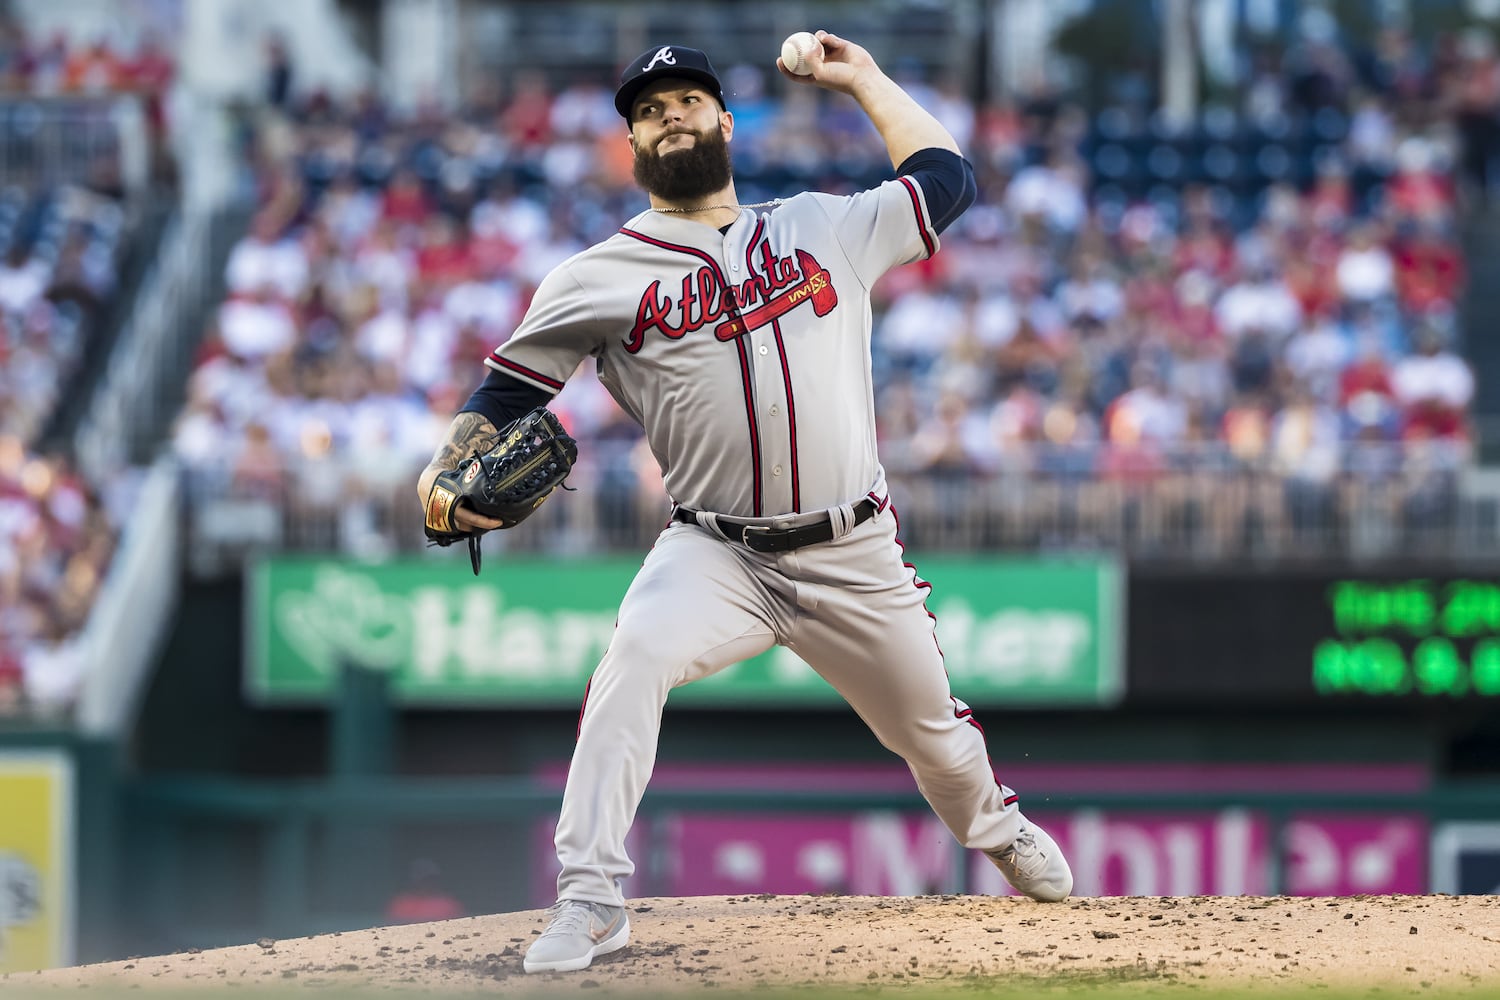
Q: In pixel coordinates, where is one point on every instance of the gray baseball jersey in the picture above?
(746, 357)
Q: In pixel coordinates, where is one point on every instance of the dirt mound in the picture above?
(741, 942)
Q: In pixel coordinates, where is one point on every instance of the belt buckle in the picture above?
(761, 531)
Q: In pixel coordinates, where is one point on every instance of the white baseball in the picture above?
(795, 50)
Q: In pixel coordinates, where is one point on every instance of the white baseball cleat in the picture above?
(1034, 865)
(579, 933)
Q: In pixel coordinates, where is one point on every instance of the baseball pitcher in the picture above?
(739, 337)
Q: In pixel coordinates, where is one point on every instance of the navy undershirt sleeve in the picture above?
(502, 398)
(947, 181)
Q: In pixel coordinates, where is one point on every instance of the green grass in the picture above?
(1123, 985)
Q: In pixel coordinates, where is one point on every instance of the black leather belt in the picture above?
(766, 539)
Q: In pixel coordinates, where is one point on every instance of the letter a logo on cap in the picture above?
(663, 55)
(655, 63)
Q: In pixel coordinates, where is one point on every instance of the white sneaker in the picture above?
(579, 933)
(1034, 865)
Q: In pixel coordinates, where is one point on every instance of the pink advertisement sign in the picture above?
(1220, 853)
(862, 854)
(1340, 855)
(1113, 852)
(1223, 853)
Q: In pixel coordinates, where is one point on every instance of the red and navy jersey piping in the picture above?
(531, 375)
(916, 204)
(966, 714)
(791, 416)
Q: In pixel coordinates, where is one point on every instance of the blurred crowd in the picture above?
(61, 65)
(61, 99)
(1132, 303)
(1222, 330)
(61, 245)
(58, 258)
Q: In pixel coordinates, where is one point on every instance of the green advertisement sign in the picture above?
(1013, 632)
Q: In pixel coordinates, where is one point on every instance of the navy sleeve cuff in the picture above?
(502, 398)
(947, 181)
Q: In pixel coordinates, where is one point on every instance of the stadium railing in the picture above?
(1196, 503)
(52, 140)
(147, 367)
(128, 625)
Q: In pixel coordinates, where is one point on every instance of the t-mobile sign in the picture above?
(1215, 853)
(861, 854)
(885, 853)
(1339, 855)
(1112, 852)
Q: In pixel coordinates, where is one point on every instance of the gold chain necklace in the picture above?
(713, 208)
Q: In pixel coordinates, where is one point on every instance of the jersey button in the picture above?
(763, 348)
(775, 410)
(776, 471)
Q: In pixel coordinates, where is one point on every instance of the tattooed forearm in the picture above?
(468, 433)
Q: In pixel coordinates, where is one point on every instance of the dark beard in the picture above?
(685, 174)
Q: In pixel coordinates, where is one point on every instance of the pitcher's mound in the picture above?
(743, 942)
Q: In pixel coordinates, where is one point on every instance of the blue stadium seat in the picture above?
(1330, 125)
(1164, 163)
(1112, 161)
(1275, 128)
(1273, 163)
(1114, 124)
(1223, 164)
(1218, 123)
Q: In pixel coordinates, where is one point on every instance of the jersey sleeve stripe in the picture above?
(521, 371)
(928, 242)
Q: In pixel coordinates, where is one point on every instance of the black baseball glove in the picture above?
(508, 482)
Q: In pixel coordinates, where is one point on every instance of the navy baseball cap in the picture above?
(662, 61)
